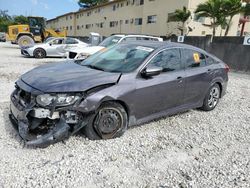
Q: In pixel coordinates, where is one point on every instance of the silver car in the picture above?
(54, 47)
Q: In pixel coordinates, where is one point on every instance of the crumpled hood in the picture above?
(67, 77)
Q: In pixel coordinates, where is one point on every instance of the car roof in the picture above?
(165, 44)
(134, 35)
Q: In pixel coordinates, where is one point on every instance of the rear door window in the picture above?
(210, 60)
(193, 59)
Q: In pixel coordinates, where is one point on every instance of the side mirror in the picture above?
(151, 71)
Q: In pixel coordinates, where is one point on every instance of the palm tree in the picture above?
(230, 9)
(182, 15)
(211, 9)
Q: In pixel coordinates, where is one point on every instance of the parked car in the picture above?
(129, 84)
(2, 37)
(83, 53)
(53, 47)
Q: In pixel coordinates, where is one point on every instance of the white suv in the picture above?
(83, 53)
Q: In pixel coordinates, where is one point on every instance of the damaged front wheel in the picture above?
(110, 121)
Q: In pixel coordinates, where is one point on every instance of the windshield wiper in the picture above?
(94, 67)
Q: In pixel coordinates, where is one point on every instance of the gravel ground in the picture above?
(192, 149)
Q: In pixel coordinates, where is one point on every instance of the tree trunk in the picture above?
(214, 30)
(228, 25)
(183, 28)
(214, 27)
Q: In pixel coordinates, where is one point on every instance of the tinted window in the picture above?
(193, 59)
(210, 60)
(169, 60)
(71, 41)
(57, 41)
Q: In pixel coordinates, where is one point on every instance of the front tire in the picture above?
(110, 121)
(212, 98)
(39, 53)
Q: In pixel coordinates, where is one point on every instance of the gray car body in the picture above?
(144, 99)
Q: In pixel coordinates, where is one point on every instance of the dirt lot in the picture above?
(192, 149)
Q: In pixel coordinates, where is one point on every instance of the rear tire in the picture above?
(212, 98)
(25, 41)
(39, 53)
(110, 121)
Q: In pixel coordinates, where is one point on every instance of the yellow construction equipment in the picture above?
(35, 31)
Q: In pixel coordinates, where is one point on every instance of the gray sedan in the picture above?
(129, 84)
(53, 47)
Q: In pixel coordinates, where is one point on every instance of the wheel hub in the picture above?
(108, 122)
(213, 97)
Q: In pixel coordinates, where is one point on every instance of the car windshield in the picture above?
(110, 41)
(120, 58)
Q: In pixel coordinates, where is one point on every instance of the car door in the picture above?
(70, 43)
(162, 92)
(198, 76)
(55, 47)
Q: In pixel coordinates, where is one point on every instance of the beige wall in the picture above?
(161, 8)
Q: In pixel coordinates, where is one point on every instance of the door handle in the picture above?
(179, 78)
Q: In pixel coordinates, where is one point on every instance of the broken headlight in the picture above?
(56, 100)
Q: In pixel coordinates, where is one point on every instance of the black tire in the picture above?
(110, 121)
(25, 41)
(39, 53)
(212, 98)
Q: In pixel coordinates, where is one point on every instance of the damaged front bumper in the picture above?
(40, 127)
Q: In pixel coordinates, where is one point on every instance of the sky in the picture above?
(45, 8)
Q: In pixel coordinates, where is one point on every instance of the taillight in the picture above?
(227, 68)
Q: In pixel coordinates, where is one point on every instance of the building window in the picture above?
(88, 26)
(126, 21)
(138, 21)
(113, 23)
(66, 17)
(67, 28)
(70, 17)
(70, 27)
(152, 19)
(139, 2)
(88, 13)
(114, 7)
(78, 27)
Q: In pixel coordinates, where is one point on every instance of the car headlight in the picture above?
(57, 100)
